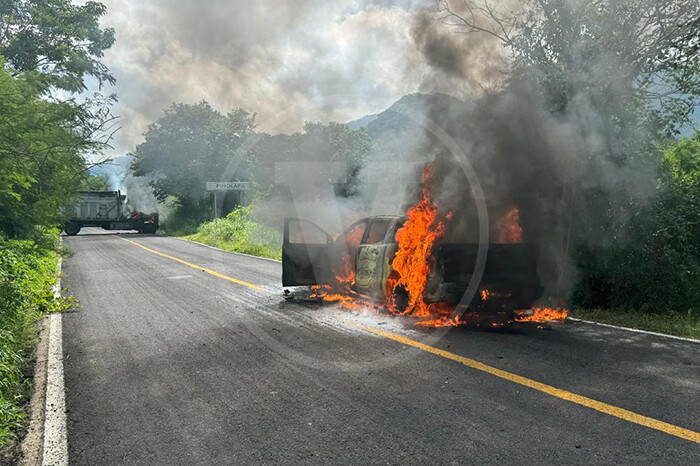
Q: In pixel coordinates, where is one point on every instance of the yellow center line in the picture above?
(548, 389)
(194, 266)
(474, 364)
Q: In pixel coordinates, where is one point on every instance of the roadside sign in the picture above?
(228, 186)
(222, 186)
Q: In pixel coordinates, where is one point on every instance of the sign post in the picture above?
(218, 186)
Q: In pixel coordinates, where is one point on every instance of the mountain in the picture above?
(361, 122)
(118, 167)
(405, 115)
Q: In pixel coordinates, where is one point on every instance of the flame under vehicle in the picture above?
(364, 253)
(107, 210)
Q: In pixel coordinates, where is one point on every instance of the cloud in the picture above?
(288, 61)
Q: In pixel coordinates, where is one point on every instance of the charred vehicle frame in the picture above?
(365, 252)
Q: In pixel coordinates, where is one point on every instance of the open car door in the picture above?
(306, 252)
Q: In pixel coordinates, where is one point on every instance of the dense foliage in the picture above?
(47, 51)
(27, 272)
(192, 144)
(45, 47)
(657, 266)
(239, 232)
(625, 75)
(185, 148)
(58, 40)
(42, 143)
(623, 55)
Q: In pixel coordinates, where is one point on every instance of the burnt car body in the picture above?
(310, 256)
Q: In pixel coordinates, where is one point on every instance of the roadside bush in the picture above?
(238, 232)
(27, 273)
(656, 267)
(184, 218)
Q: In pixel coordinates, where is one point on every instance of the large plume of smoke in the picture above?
(266, 56)
(467, 66)
(542, 162)
(274, 56)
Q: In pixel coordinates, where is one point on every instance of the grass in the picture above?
(682, 325)
(237, 232)
(27, 273)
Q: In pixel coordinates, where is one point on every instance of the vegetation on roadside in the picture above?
(47, 52)
(191, 144)
(239, 232)
(188, 146)
(628, 73)
(48, 127)
(671, 323)
(27, 273)
(654, 266)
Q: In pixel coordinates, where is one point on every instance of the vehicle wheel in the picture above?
(401, 298)
(71, 228)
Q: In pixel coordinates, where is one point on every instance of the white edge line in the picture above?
(635, 330)
(590, 322)
(224, 250)
(55, 447)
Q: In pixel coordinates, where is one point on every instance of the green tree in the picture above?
(624, 76)
(658, 268)
(47, 46)
(336, 142)
(625, 55)
(95, 183)
(332, 142)
(60, 40)
(41, 147)
(185, 148)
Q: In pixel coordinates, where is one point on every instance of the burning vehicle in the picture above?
(402, 263)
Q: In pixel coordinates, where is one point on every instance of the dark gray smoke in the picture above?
(562, 168)
(465, 64)
(559, 166)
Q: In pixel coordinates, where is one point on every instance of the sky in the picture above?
(287, 61)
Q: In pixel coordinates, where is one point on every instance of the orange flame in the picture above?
(339, 290)
(412, 265)
(444, 321)
(345, 300)
(412, 262)
(507, 229)
(543, 314)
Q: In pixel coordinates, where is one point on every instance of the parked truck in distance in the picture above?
(107, 210)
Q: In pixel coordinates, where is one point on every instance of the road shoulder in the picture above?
(31, 447)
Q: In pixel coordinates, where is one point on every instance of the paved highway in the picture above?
(183, 354)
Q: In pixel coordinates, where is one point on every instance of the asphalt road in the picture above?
(168, 364)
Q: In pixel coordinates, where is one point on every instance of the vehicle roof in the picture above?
(384, 217)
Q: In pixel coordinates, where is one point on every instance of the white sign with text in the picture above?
(228, 186)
